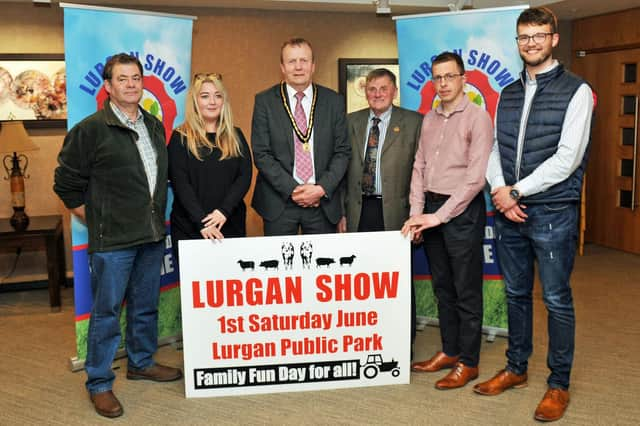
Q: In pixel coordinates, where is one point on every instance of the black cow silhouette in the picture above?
(324, 261)
(347, 260)
(269, 264)
(250, 264)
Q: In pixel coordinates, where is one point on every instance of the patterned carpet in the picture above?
(38, 387)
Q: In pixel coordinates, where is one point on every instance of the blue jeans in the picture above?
(548, 236)
(132, 274)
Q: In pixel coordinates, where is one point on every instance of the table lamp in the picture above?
(13, 139)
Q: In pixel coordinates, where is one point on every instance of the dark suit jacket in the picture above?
(273, 152)
(398, 152)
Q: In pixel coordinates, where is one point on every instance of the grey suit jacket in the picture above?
(273, 152)
(398, 152)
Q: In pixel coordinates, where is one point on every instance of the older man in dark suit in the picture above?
(384, 139)
(300, 147)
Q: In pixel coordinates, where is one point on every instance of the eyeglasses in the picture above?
(447, 77)
(207, 76)
(537, 38)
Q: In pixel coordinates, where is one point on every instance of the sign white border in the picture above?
(295, 313)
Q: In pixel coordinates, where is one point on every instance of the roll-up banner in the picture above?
(163, 44)
(484, 39)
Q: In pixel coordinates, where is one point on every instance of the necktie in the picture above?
(370, 159)
(304, 166)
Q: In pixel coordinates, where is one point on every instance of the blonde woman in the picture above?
(209, 166)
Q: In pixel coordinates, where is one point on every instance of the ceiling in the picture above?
(564, 9)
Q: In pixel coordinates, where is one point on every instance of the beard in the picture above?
(535, 62)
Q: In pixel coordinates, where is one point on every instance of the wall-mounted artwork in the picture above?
(352, 74)
(33, 89)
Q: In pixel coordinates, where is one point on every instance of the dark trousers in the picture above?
(454, 252)
(311, 220)
(371, 219)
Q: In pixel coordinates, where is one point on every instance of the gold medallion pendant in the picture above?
(306, 147)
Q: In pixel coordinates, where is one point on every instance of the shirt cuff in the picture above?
(416, 210)
(440, 216)
(523, 188)
(498, 182)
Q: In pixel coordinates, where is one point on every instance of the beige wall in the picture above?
(29, 29)
(243, 45)
(250, 63)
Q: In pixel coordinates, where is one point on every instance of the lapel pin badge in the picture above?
(396, 129)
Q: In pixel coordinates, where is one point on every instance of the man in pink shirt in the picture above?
(448, 211)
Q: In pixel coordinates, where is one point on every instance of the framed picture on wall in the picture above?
(352, 73)
(33, 89)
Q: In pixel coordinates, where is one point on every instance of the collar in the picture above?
(554, 69)
(384, 116)
(308, 92)
(124, 118)
(460, 106)
(530, 80)
(111, 119)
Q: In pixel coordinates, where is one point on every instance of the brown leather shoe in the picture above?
(553, 405)
(156, 373)
(436, 363)
(499, 383)
(106, 404)
(459, 376)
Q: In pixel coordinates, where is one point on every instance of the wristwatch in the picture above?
(514, 194)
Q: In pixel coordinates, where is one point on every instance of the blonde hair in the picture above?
(193, 131)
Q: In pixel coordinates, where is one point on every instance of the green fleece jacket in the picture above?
(100, 167)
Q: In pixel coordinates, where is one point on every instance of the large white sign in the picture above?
(281, 314)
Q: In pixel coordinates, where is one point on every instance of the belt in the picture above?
(371, 197)
(435, 197)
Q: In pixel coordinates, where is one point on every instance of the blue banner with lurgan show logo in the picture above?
(163, 45)
(485, 40)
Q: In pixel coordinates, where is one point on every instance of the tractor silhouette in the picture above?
(375, 365)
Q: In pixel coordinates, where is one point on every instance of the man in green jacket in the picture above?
(112, 175)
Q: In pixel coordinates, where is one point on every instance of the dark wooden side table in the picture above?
(43, 232)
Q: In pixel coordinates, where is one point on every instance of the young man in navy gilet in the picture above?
(535, 171)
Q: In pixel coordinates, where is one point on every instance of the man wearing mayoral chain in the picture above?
(300, 147)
